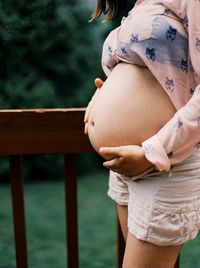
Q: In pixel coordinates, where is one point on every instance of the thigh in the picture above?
(142, 254)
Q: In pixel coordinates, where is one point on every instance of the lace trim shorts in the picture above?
(163, 207)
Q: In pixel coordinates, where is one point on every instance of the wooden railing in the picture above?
(46, 131)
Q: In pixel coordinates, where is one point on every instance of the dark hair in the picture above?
(110, 7)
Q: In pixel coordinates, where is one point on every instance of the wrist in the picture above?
(146, 162)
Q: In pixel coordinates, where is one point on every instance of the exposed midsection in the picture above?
(129, 108)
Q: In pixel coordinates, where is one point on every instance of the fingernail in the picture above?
(85, 130)
(105, 165)
(101, 150)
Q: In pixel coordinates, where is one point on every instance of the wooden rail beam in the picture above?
(43, 131)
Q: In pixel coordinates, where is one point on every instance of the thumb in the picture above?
(98, 82)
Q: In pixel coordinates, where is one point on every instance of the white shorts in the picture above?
(163, 207)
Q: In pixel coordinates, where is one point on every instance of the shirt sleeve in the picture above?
(179, 137)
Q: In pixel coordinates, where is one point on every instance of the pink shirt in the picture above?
(165, 37)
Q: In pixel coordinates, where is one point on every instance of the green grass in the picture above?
(46, 226)
(45, 220)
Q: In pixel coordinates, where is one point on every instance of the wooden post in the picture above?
(18, 211)
(71, 211)
(120, 245)
(177, 264)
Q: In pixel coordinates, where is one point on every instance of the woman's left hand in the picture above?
(98, 83)
(128, 160)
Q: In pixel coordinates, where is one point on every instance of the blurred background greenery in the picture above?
(49, 57)
(49, 53)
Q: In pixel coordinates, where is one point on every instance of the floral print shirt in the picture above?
(165, 37)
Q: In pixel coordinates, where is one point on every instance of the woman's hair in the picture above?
(110, 7)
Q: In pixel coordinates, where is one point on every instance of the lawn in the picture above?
(46, 226)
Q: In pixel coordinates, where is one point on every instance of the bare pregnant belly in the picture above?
(130, 107)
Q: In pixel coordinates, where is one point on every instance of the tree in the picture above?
(49, 56)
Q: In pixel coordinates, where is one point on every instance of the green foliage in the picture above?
(49, 57)
(47, 54)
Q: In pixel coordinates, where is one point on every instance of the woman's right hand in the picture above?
(98, 83)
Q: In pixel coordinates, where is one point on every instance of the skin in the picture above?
(142, 254)
(130, 160)
(127, 157)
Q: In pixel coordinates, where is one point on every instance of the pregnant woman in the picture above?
(145, 121)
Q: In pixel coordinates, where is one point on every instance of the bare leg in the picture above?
(141, 254)
(123, 217)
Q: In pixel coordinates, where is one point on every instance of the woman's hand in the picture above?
(128, 160)
(98, 83)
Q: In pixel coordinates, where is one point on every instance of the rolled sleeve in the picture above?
(156, 154)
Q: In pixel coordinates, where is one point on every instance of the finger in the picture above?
(112, 164)
(110, 151)
(87, 112)
(86, 129)
(98, 82)
(86, 117)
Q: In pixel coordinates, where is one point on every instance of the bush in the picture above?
(47, 54)
(48, 58)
